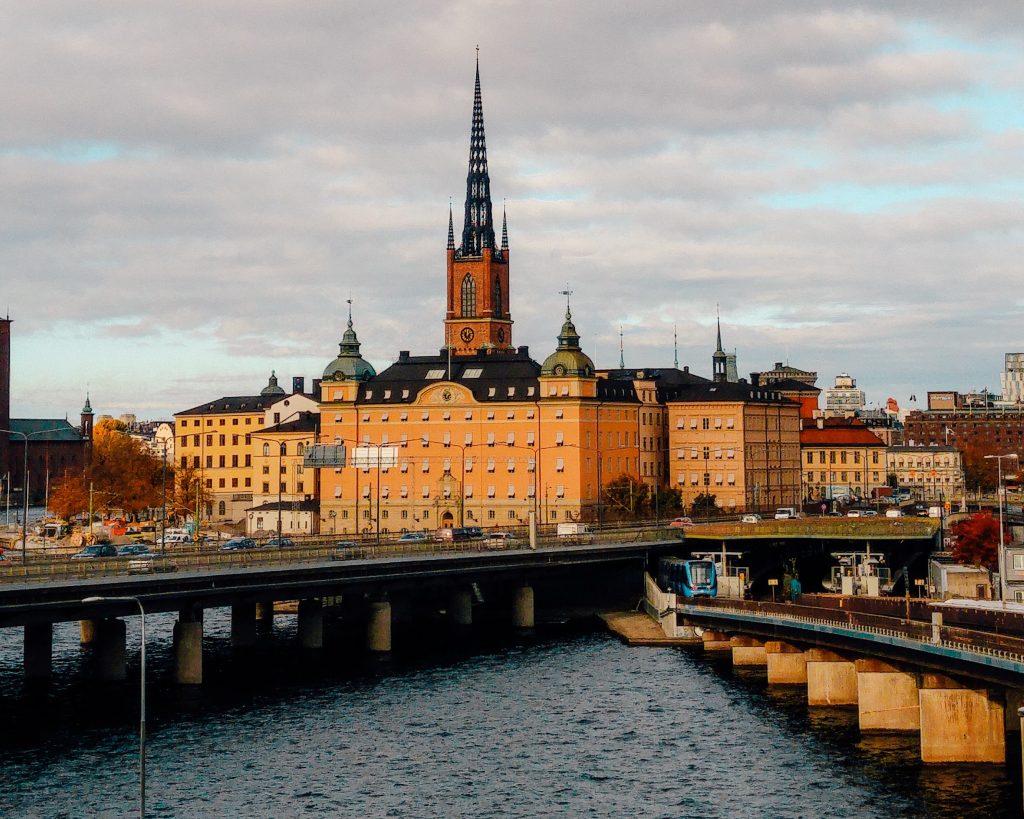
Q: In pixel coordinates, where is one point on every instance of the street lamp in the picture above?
(1002, 550)
(24, 485)
(142, 694)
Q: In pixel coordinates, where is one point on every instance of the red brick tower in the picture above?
(478, 297)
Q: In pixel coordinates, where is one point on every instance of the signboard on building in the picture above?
(939, 401)
(319, 456)
(374, 457)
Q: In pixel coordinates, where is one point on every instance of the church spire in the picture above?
(504, 227)
(451, 227)
(719, 359)
(478, 226)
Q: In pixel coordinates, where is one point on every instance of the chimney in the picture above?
(755, 379)
(316, 388)
(298, 384)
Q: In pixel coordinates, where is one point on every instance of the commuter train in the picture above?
(690, 578)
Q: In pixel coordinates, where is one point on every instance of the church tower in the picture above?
(478, 298)
(719, 360)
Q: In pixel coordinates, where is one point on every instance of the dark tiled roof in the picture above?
(233, 404)
(726, 391)
(306, 422)
(665, 376)
(287, 506)
(792, 385)
(497, 372)
(45, 429)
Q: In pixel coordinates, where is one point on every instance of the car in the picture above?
(97, 550)
(854, 513)
(135, 549)
(413, 537)
(238, 543)
(474, 532)
(750, 519)
(894, 513)
(869, 513)
(786, 513)
(677, 522)
(449, 535)
(280, 542)
(343, 549)
(501, 539)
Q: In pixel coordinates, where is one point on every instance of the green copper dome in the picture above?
(349, 364)
(568, 359)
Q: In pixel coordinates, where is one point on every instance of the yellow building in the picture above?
(841, 460)
(285, 492)
(931, 472)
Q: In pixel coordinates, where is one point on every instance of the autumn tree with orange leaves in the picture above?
(977, 538)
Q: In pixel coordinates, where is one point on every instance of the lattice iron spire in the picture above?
(478, 227)
(504, 226)
(451, 227)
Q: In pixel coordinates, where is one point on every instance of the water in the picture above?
(568, 722)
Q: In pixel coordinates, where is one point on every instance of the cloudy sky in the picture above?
(190, 191)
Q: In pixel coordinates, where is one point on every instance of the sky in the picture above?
(190, 191)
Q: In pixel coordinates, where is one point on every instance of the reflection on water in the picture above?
(568, 722)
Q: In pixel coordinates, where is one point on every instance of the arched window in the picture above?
(284, 448)
(300, 448)
(266, 449)
(468, 296)
(496, 295)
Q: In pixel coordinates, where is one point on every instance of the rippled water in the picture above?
(568, 722)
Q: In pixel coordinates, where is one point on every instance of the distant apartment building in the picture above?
(843, 399)
(930, 472)
(1011, 379)
(785, 372)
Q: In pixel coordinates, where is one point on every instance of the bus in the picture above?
(690, 578)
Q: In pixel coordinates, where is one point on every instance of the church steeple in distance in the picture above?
(477, 320)
(719, 359)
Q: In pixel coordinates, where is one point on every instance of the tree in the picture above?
(125, 475)
(187, 483)
(704, 505)
(628, 496)
(669, 501)
(979, 472)
(69, 496)
(976, 540)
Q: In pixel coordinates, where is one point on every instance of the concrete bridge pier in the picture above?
(188, 647)
(311, 623)
(716, 641)
(887, 697)
(746, 651)
(109, 642)
(460, 607)
(960, 724)
(1014, 702)
(787, 664)
(522, 608)
(831, 678)
(38, 651)
(243, 625)
(378, 628)
(265, 618)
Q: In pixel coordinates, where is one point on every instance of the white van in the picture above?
(575, 533)
(786, 513)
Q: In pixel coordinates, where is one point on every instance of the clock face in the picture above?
(467, 334)
(501, 334)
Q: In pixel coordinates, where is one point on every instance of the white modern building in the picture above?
(843, 399)
(1011, 379)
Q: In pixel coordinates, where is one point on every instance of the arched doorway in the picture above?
(447, 520)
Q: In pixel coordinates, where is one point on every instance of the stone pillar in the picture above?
(887, 698)
(460, 607)
(716, 641)
(936, 627)
(378, 629)
(243, 625)
(109, 640)
(960, 724)
(1014, 702)
(522, 608)
(87, 632)
(38, 651)
(787, 664)
(265, 618)
(746, 651)
(831, 678)
(188, 652)
(311, 623)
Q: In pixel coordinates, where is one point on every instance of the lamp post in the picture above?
(1001, 553)
(142, 694)
(24, 486)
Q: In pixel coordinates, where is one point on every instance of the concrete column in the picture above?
(265, 618)
(787, 664)
(831, 678)
(960, 724)
(378, 629)
(188, 652)
(522, 608)
(243, 625)
(460, 607)
(746, 651)
(1014, 702)
(109, 640)
(311, 623)
(936, 627)
(39, 651)
(87, 632)
(887, 698)
(716, 641)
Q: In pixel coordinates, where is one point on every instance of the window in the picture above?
(559, 438)
(266, 489)
(490, 439)
(468, 296)
(560, 465)
(490, 491)
(511, 490)
(705, 423)
(426, 493)
(266, 449)
(1018, 563)
(490, 464)
(511, 465)
(558, 413)
(559, 491)
(529, 439)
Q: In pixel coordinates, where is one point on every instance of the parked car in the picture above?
(854, 513)
(280, 542)
(474, 532)
(786, 513)
(238, 543)
(750, 519)
(894, 513)
(677, 522)
(450, 535)
(502, 539)
(413, 537)
(869, 513)
(343, 549)
(95, 551)
(574, 533)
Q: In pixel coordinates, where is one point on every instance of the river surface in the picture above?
(564, 722)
